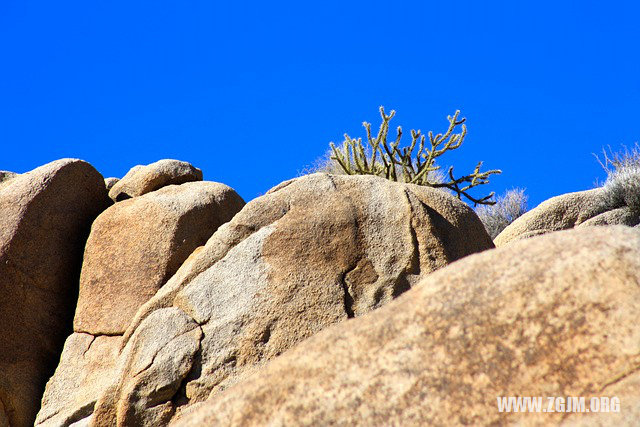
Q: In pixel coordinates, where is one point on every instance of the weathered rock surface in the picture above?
(312, 252)
(85, 371)
(45, 217)
(583, 208)
(136, 245)
(551, 316)
(5, 177)
(144, 179)
(627, 389)
(110, 182)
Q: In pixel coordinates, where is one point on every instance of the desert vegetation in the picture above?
(622, 186)
(507, 209)
(415, 163)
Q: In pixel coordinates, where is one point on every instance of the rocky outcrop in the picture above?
(580, 209)
(312, 252)
(135, 246)
(144, 179)
(45, 216)
(554, 315)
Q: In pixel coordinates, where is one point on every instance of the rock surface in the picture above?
(110, 182)
(133, 248)
(584, 208)
(136, 245)
(45, 216)
(144, 179)
(312, 252)
(554, 315)
(85, 371)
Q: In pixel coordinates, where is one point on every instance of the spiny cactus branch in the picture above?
(388, 160)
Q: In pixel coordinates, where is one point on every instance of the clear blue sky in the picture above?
(251, 92)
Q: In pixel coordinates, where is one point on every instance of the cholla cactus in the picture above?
(401, 164)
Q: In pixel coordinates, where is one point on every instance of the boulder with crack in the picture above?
(134, 247)
(312, 252)
(554, 315)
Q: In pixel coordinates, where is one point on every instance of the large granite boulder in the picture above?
(554, 315)
(134, 247)
(45, 217)
(144, 179)
(312, 252)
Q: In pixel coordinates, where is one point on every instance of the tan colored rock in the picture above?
(627, 390)
(584, 208)
(619, 216)
(554, 315)
(144, 179)
(5, 177)
(45, 216)
(110, 182)
(85, 372)
(136, 245)
(165, 348)
(312, 252)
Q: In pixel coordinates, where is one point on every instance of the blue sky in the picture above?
(252, 92)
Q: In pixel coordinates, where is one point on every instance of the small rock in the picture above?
(110, 182)
(144, 179)
(564, 212)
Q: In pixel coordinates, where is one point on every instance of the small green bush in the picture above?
(507, 208)
(396, 163)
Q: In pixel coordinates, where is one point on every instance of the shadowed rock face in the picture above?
(133, 249)
(312, 252)
(145, 179)
(554, 315)
(45, 217)
(580, 209)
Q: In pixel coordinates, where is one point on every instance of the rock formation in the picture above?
(45, 216)
(312, 252)
(134, 247)
(580, 209)
(330, 300)
(554, 315)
